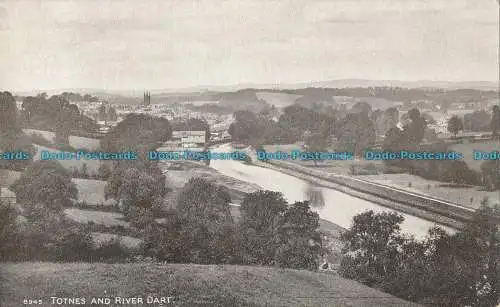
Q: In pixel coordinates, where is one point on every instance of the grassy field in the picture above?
(432, 188)
(74, 141)
(189, 285)
(92, 192)
(98, 217)
(92, 165)
(467, 151)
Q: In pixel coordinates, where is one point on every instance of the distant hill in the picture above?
(190, 285)
(256, 97)
(340, 83)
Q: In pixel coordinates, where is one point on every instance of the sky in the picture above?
(137, 44)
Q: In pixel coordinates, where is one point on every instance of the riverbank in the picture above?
(374, 171)
(325, 180)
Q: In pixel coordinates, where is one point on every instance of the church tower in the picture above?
(147, 98)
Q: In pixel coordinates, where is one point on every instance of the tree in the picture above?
(138, 133)
(495, 120)
(64, 116)
(261, 217)
(371, 246)
(484, 236)
(490, 170)
(46, 183)
(49, 236)
(394, 139)
(355, 132)
(477, 121)
(245, 126)
(207, 222)
(300, 119)
(165, 241)
(362, 107)
(105, 171)
(16, 142)
(316, 143)
(8, 113)
(415, 130)
(134, 188)
(9, 232)
(301, 245)
(455, 124)
(457, 171)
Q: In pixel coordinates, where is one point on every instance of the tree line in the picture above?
(442, 269)
(476, 121)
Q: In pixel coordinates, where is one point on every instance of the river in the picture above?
(338, 208)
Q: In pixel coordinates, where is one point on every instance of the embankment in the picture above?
(435, 210)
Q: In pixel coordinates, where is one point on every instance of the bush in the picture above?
(72, 244)
(111, 251)
(9, 232)
(139, 217)
(105, 171)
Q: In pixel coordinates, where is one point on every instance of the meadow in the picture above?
(92, 165)
(74, 141)
(437, 189)
(108, 219)
(467, 150)
(92, 192)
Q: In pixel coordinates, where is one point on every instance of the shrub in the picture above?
(111, 251)
(9, 232)
(105, 171)
(72, 244)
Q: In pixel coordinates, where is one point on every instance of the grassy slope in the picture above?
(92, 192)
(468, 149)
(98, 217)
(75, 141)
(92, 165)
(191, 285)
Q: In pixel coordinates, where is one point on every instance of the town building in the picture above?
(186, 139)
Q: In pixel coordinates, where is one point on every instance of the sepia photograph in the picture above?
(250, 153)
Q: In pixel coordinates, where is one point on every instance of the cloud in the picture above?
(3, 13)
(180, 43)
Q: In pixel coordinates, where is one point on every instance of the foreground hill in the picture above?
(191, 285)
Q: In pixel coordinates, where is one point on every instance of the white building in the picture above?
(186, 139)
